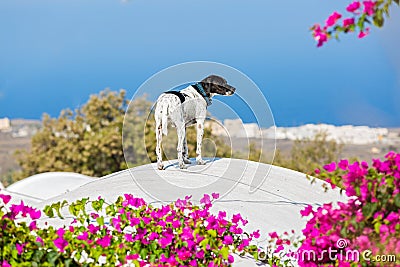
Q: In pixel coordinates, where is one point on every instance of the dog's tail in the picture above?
(164, 119)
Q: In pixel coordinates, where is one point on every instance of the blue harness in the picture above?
(199, 88)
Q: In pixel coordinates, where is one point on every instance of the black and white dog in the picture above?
(184, 108)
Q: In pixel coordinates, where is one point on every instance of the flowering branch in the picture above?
(357, 20)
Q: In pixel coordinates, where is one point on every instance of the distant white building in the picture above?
(347, 134)
(236, 128)
(5, 125)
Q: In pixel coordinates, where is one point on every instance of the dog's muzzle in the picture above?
(230, 90)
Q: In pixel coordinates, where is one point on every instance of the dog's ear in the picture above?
(215, 79)
(212, 83)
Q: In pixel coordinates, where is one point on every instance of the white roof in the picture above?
(47, 185)
(275, 206)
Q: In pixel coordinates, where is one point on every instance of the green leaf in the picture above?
(224, 253)
(255, 255)
(343, 232)
(378, 18)
(73, 209)
(369, 209)
(204, 242)
(212, 233)
(143, 253)
(377, 227)
(14, 254)
(57, 207)
(152, 258)
(37, 256)
(397, 200)
(52, 256)
(110, 210)
(100, 220)
(48, 210)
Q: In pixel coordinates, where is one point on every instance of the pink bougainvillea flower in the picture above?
(34, 214)
(228, 240)
(84, 236)
(176, 224)
(166, 241)
(306, 211)
(183, 255)
(20, 248)
(206, 200)
(320, 35)
(279, 248)
(353, 7)
(16, 209)
(93, 229)
(104, 241)
(231, 259)
(153, 236)
(60, 232)
(273, 235)
(369, 7)
(39, 240)
(332, 19)
(60, 243)
(135, 202)
(343, 164)
(172, 261)
(362, 34)
(135, 256)
(329, 181)
(193, 263)
(348, 22)
(215, 195)
(32, 226)
(363, 242)
(256, 234)
(94, 215)
(129, 237)
(5, 264)
(330, 167)
(317, 171)
(5, 198)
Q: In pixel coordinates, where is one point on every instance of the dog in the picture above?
(184, 108)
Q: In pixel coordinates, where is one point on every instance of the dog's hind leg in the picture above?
(200, 132)
(159, 133)
(185, 153)
(181, 131)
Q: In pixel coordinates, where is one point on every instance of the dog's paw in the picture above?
(187, 161)
(200, 162)
(182, 165)
(160, 166)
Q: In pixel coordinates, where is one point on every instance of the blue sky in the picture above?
(54, 54)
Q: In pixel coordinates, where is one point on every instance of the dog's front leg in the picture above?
(159, 134)
(185, 150)
(181, 131)
(200, 132)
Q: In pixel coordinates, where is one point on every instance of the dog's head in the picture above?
(214, 84)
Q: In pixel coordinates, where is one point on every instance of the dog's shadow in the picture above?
(174, 164)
